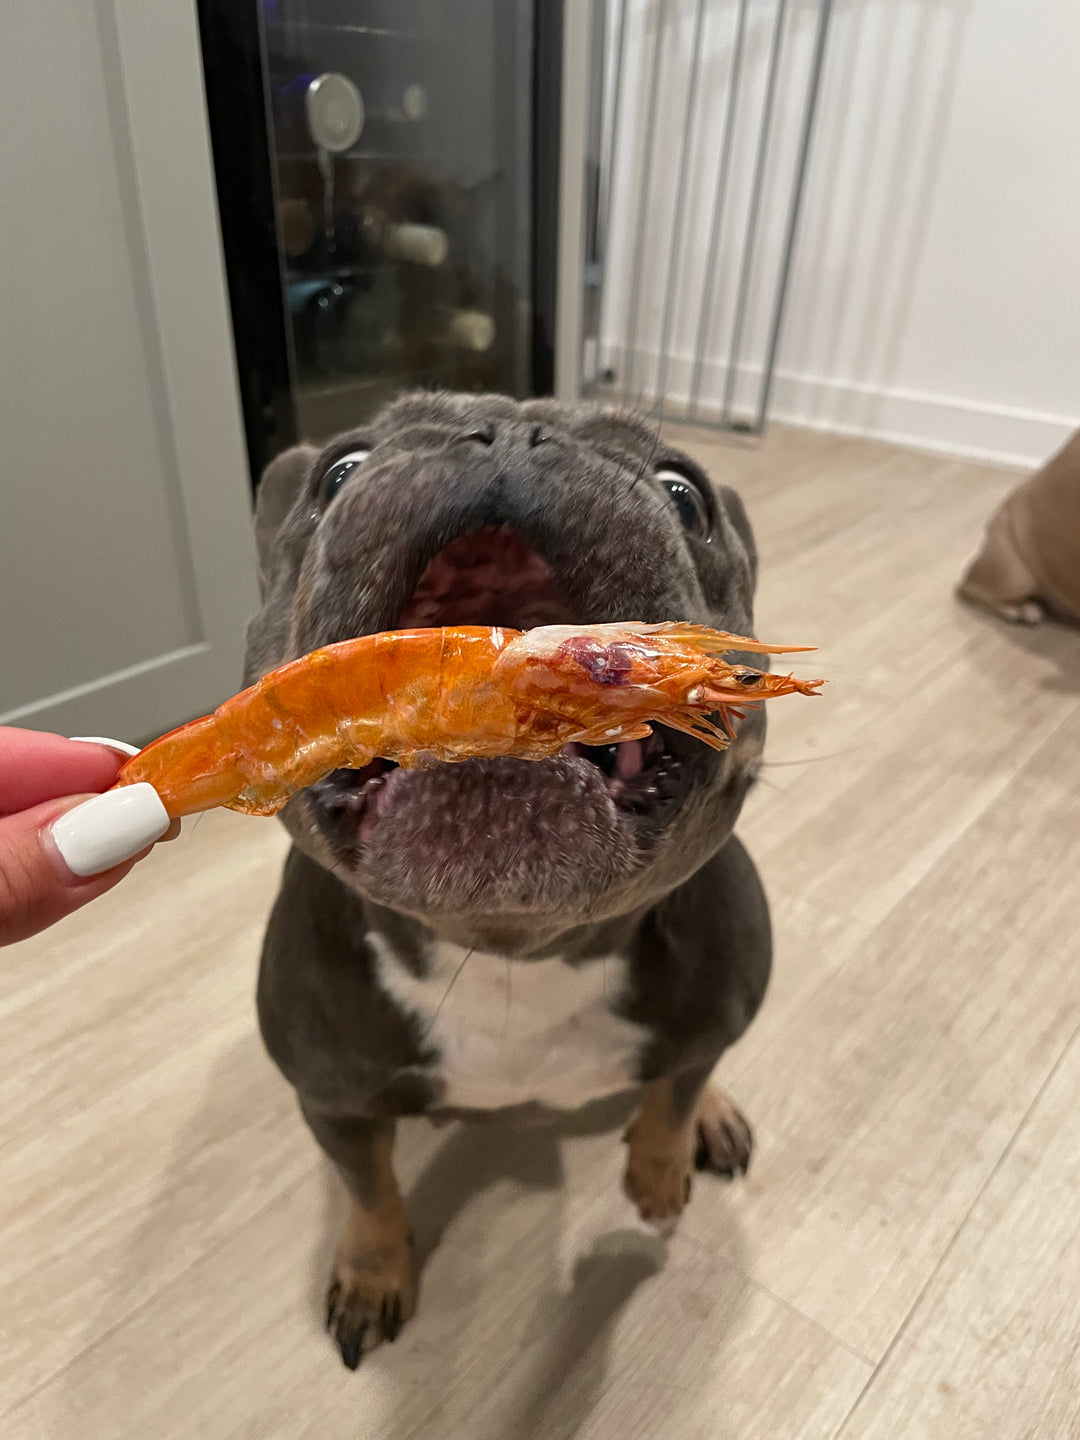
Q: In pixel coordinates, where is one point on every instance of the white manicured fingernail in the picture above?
(120, 746)
(110, 828)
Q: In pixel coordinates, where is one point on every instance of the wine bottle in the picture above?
(296, 226)
(417, 244)
(470, 330)
(392, 101)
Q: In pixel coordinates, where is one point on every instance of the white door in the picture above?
(126, 567)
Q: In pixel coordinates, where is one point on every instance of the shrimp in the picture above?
(422, 697)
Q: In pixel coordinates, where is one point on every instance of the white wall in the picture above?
(935, 297)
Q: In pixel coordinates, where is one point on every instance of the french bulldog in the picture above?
(1028, 567)
(506, 936)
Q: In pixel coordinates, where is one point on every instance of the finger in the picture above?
(36, 887)
(35, 767)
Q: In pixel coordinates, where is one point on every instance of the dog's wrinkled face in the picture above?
(461, 509)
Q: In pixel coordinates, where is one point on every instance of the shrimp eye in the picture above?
(688, 500)
(748, 677)
(340, 471)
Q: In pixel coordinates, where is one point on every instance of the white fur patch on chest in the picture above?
(514, 1031)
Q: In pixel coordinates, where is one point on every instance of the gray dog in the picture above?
(503, 935)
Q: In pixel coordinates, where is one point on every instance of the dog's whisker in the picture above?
(656, 434)
(446, 992)
(652, 451)
(760, 779)
(811, 759)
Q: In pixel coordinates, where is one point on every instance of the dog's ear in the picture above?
(281, 482)
(736, 514)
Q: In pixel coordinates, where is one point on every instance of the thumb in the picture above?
(42, 848)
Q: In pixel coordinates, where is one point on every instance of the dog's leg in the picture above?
(999, 580)
(373, 1285)
(683, 1122)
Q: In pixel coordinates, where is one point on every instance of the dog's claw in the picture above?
(724, 1141)
(391, 1319)
(352, 1349)
(370, 1297)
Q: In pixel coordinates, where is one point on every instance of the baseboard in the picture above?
(946, 425)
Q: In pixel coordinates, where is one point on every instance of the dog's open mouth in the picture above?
(590, 798)
(488, 578)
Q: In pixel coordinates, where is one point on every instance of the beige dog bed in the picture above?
(1029, 564)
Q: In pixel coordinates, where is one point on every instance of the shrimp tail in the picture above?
(191, 769)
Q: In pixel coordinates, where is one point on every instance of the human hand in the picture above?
(49, 869)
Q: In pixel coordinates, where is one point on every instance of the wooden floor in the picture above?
(904, 1258)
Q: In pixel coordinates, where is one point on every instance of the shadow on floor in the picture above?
(1056, 642)
(499, 1351)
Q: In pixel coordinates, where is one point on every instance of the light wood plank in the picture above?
(106, 1206)
(542, 1303)
(861, 546)
(885, 1102)
(994, 1346)
(128, 1014)
(147, 971)
(856, 831)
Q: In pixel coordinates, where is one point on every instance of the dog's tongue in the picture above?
(488, 578)
(629, 757)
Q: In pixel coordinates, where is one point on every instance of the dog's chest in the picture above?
(513, 1031)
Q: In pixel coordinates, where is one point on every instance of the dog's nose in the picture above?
(509, 437)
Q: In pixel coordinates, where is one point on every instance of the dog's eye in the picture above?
(342, 470)
(687, 499)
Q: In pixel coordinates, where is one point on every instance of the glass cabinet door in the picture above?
(401, 158)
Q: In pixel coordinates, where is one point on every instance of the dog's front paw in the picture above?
(724, 1139)
(1024, 612)
(658, 1184)
(371, 1296)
